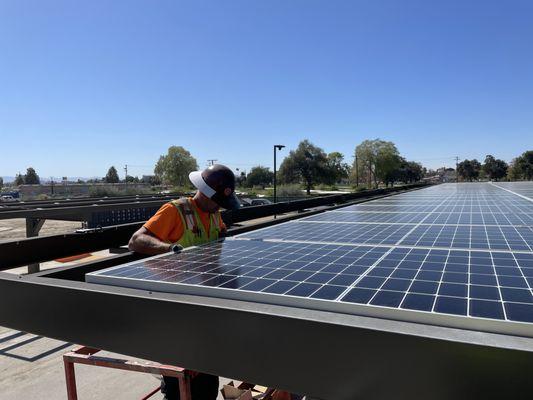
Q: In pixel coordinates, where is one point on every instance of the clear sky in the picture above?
(86, 85)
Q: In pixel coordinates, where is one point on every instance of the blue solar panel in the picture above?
(470, 266)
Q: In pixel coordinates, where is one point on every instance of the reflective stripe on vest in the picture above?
(194, 232)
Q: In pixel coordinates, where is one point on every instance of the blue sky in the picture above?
(86, 85)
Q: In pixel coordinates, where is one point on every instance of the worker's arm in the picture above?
(145, 242)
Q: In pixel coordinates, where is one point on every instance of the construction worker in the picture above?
(189, 222)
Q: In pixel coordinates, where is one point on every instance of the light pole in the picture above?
(276, 147)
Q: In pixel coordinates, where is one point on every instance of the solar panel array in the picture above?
(454, 254)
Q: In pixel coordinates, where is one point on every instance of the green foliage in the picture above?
(240, 180)
(259, 176)
(132, 179)
(1, 182)
(154, 180)
(409, 171)
(112, 175)
(513, 173)
(307, 164)
(494, 169)
(377, 160)
(19, 180)
(174, 167)
(469, 169)
(523, 166)
(104, 191)
(337, 169)
(293, 190)
(31, 177)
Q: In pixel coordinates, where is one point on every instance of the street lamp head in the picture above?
(279, 146)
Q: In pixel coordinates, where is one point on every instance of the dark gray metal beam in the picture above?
(325, 355)
(45, 248)
(33, 226)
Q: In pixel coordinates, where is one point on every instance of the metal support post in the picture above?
(33, 226)
(70, 378)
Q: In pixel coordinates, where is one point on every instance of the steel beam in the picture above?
(33, 226)
(45, 248)
(324, 355)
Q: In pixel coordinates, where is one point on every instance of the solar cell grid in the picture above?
(282, 268)
(333, 233)
(458, 255)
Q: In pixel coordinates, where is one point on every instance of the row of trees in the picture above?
(521, 168)
(375, 161)
(30, 178)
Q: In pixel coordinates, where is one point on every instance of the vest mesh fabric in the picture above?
(194, 232)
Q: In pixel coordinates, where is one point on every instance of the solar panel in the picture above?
(470, 268)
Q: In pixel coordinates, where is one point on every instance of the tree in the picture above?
(31, 177)
(154, 180)
(409, 171)
(112, 175)
(513, 173)
(19, 180)
(494, 168)
(1, 183)
(524, 165)
(132, 179)
(307, 164)
(469, 169)
(377, 160)
(259, 176)
(337, 169)
(174, 168)
(240, 180)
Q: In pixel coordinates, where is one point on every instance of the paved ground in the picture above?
(31, 368)
(12, 229)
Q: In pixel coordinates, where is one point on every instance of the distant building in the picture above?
(147, 178)
(441, 175)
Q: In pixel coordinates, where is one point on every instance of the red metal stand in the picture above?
(85, 355)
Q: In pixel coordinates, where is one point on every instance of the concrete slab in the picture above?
(31, 368)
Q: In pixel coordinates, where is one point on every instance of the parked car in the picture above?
(7, 198)
(260, 202)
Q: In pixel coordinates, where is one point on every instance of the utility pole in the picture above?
(126, 177)
(276, 147)
(52, 185)
(211, 162)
